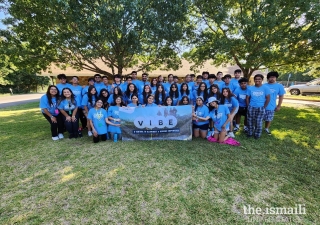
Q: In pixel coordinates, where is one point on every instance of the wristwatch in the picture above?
(51, 116)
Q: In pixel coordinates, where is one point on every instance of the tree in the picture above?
(256, 34)
(120, 33)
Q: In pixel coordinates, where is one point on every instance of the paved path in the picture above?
(19, 99)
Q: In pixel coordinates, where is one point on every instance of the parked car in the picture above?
(312, 87)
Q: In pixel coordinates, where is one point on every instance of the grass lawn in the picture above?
(160, 182)
(308, 97)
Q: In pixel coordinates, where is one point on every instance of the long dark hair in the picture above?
(104, 99)
(116, 95)
(205, 91)
(90, 95)
(145, 94)
(122, 102)
(165, 101)
(184, 97)
(49, 95)
(135, 95)
(181, 89)
(211, 94)
(223, 98)
(157, 94)
(196, 107)
(151, 83)
(73, 98)
(135, 90)
(174, 93)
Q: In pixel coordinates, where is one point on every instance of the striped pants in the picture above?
(254, 120)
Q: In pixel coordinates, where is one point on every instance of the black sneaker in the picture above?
(267, 131)
(256, 137)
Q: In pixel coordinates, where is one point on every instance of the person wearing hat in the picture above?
(220, 115)
(276, 90)
(63, 83)
(200, 126)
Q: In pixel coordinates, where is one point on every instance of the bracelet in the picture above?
(51, 116)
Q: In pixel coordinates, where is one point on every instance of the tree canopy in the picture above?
(256, 34)
(120, 33)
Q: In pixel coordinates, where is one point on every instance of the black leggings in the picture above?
(56, 128)
(103, 137)
(72, 127)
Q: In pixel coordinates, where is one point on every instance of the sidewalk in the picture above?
(19, 99)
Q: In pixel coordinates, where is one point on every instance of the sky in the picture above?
(2, 17)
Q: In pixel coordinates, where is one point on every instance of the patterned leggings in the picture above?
(254, 120)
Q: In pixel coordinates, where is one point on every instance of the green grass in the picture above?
(161, 182)
(308, 97)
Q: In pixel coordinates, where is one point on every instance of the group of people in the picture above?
(218, 103)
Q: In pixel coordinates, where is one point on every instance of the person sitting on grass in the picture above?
(200, 127)
(98, 118)
(113, 116)
(49, 109)
(220, 115)
(68, 107)
(229, 100)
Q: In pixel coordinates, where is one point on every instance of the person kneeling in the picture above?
(98, 119)
(220, 115)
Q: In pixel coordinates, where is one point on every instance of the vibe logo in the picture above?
(155, 122)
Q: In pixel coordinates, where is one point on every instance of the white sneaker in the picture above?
(60, 136)
(55, 138)
(89, 133)
(231, 134)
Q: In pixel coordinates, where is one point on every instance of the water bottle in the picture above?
(115, 138)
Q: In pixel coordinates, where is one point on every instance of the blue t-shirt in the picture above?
(241, 95)
(133, 105)
(127, 99)
(77, 91)
(68, 105)
(190, 96)
(195, 95)
(99, 86)
(167, 86)
(62, 86)
(151, 105)
(233, 103)
(113, 111)
(258, 95)
(44, 104)
(138, 84)
(190, 85)
(85, 90)
(275, 90)
(235, 83)
(230, 86)
(98, 118)
(219, 83)
(202, 111)
(175, 99)
(85, 101)
(153, 89)
(220, 116)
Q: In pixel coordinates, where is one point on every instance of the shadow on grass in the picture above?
(159, 182)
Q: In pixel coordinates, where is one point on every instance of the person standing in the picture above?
(276, 90)
(49, 109)
(257, 100)
(63, 83)
(77, 91)
(97, 83)
(241, 95)
(235, 80)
